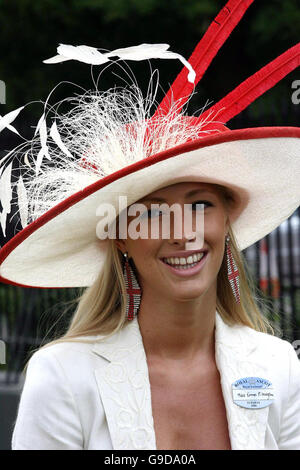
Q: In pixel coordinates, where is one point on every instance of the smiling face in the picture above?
(161, 263)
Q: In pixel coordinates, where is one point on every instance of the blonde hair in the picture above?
(101, 308)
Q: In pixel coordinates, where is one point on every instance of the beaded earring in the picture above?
(133, 289)
(232, 272)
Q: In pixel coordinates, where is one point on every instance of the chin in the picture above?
(188, 294)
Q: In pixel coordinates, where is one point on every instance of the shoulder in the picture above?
(64, 350)
(49, 414)
(248, 340)
(265, 348)
(274, 351)
(267, 341)
(67, 361)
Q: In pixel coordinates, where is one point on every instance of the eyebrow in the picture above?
(187, 195)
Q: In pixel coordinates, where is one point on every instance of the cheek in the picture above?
(143, 251)
(214, 225)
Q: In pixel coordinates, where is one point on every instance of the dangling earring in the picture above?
(133, 289)
(232, 272)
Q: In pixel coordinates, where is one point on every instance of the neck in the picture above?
(181, 330)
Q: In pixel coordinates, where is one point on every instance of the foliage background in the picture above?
(31, 30)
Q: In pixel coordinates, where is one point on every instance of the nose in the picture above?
(187, 231)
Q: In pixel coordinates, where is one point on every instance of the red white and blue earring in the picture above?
(133, 289)
(232, 272)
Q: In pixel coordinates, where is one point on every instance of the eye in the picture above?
(151, 213)
(194, 204)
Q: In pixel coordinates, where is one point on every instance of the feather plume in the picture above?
(86, 54)
(22, 202)
(8, 118)
(5, 195)
(57, 139)
(92, 56)
(152, 51)
(11, 128)
(256, 85)
(140, 52)
(101, 133)
(26, 161)
(40, 121)
(43, 152)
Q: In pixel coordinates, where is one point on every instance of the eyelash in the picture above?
(193, 204)
(200, 202)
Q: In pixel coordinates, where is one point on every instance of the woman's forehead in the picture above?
(184, 189)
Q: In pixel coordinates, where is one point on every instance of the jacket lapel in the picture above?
(124, 386)
(123, 382)
(237, 356)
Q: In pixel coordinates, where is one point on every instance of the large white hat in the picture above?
(110, 145)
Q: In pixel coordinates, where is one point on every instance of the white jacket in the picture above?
(97, 395)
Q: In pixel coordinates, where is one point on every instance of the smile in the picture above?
(184, 263)
(185, 266)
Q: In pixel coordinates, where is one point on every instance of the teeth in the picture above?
(192, 259)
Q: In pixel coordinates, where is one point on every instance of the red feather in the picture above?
(253, 87)
(205, 51)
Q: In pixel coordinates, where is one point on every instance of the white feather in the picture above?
(26, 161)
(102, 133)
(55, 59)
(3, 216)
(174, 55)
(57, 139)
(39, 160)
(140, 52)
(8, 118)
(87, 54)
(22, 202)
(11, 128)
(5, 195)
(43, 152)
(41, 120)
(91, 55)
(5, 188)
(152, 51)
(43, 132)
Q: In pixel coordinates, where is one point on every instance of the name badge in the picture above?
(252, 392)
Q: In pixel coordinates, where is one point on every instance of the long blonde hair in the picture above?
(101, 308)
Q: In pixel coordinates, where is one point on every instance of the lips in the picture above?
(188, 261)
(186, 270)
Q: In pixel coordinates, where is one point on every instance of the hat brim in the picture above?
(261, 166)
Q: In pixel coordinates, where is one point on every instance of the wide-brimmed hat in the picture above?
(111, 145)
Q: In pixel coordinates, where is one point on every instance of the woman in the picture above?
(157, 355)
(95, 394)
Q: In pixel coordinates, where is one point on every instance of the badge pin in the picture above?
(252, 392)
